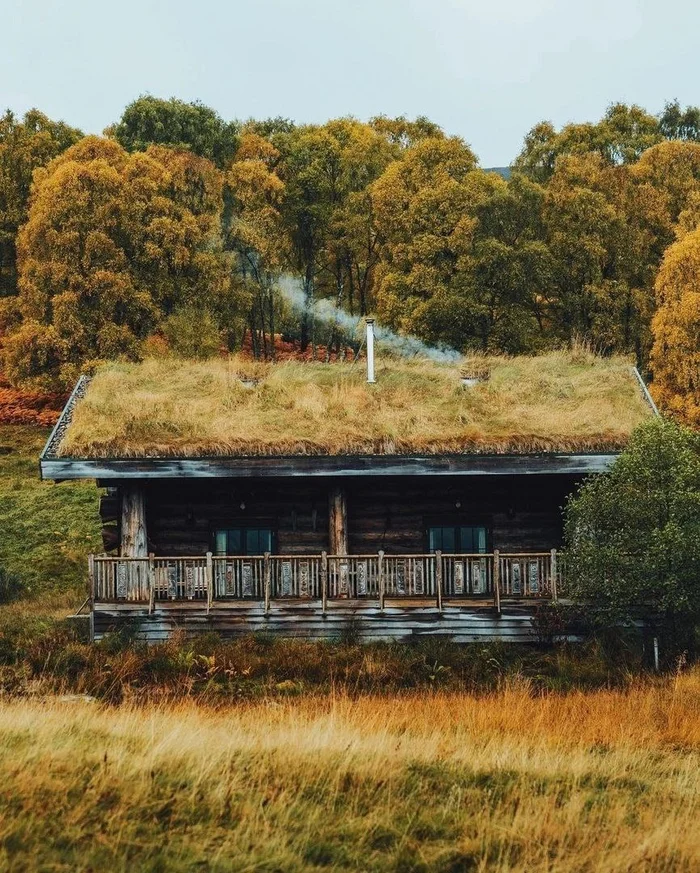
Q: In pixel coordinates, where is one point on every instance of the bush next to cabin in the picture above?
(633, 535)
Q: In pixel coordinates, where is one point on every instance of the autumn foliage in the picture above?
(676, 352)
(180, 227)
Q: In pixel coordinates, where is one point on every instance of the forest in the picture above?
(178, 232)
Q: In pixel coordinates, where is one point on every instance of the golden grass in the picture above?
(560, 401)
(608, 780)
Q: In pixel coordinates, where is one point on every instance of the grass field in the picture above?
(507, 781)
(293, 756)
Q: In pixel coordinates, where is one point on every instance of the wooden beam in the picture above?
(134, 541)
(115, 469)
(338, 521)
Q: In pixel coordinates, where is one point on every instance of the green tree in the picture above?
(633, 534)
(114, 243)
(677, 123)
(24, 146)
(620, 137)
(153, 121)
(326, 213)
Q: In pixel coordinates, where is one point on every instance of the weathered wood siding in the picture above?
(522, 513)
(365, 622)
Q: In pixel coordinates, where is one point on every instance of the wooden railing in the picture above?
(434, 577)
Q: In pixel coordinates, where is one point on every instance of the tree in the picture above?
(676, 123)
(326, 213)
(114, 243)
(152, 121)
(463, 260)
(673, 169)
(675, 356)
(253, 231)
(633, 533)
(402, 132)
(606, 230)
(24, 146)
(620, 137)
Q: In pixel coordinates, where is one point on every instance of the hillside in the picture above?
(47, 529)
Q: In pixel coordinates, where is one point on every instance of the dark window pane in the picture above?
(448, 539)
(251, 542)
(234, 542)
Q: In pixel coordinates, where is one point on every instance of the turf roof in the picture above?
(559, 402)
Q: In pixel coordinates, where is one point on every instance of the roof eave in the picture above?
(325, 465)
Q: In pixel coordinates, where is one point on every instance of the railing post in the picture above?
(380, 572)
(438, 579)
(267, 573)
(91, 578)
(209, 576)
(553, 575)
(151, 583)
(496, 576)
(324, 582)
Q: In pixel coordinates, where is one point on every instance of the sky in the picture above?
(485, 71)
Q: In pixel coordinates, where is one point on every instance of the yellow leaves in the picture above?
(676, 325)
(113, 238)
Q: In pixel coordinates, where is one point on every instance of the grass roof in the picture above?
(562, 401)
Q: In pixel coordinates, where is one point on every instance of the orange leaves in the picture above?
(28, 407)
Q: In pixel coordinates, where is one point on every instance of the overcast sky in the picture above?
(486, 71)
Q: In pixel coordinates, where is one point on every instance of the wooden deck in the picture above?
(467, 597)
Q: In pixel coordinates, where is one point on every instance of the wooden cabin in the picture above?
(301, 499)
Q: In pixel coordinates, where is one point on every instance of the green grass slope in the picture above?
(46, 529)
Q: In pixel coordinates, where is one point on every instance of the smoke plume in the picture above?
(327, 312)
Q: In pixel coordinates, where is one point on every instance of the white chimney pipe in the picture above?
(370, 350)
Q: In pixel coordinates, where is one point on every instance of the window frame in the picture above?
(243, 529)
(456, 524)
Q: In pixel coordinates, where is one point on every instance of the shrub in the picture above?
(633, 534)
(192, 333)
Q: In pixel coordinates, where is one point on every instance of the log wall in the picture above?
(364, 622)
(521, 512)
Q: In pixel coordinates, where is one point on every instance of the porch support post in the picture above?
(553, 574)
(133, 541)
(438, 578)
(338, 521)
(497, 580)
(267, 581)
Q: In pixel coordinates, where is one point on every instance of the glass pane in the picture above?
(220, 542)
(466, 539)
(448, 539)
(251, 542)
(234, 542)
(434, 538)
(265, 541)
(481, 536)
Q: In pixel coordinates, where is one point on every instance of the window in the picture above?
(243, 541)
(457, 539)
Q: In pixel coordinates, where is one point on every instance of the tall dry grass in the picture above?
(558, 401)
(604, 781)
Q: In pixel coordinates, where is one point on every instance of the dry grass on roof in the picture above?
(562, 401)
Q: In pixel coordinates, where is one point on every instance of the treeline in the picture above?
(173, 229)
